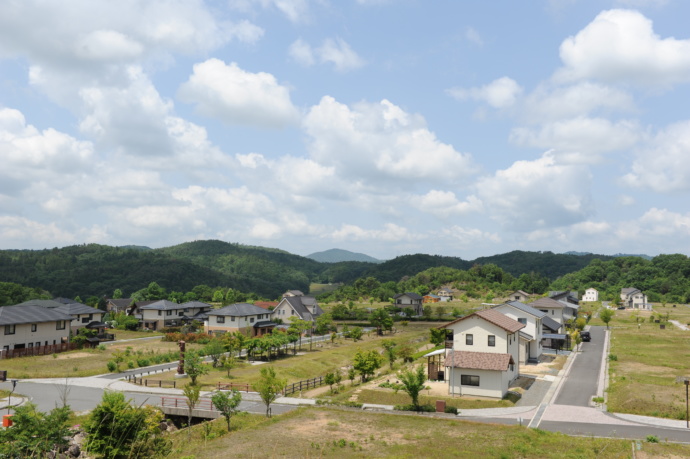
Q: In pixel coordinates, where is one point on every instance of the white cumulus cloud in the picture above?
(500, 93)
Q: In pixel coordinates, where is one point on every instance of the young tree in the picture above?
(194, 365)
(300, 326)
(367, 362)
(351, 373)
(606, 315)
(324, 324)
(35, 433)
(215, 350)
(391, 350)
(117, 294)
(381, 320)
(437, 336)
(329, 378)
(405, 352)
(269, 387)
(413, 383)
(227, 403)
(191, 391)
(227, 362)
(356, 333)
(117, 429)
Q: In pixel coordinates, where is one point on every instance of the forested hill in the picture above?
(548, 264)
(94, 269)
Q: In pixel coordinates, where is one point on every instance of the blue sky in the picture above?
(379, 126)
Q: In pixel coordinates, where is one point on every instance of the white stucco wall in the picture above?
(46, 331)
(491, 383)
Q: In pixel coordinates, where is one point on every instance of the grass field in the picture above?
(327, 432)
(79, 363)
(647, 361)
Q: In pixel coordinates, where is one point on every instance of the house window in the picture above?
(31, 345)
(220, 320)
(469, 339)
(232, 319)
(9, 329)
(492, 340)
(160, 313)
(522, 320)
(85, 320)
(60, 325)
(168, 312)
(34, 327)
(251, 321)
(469, 380)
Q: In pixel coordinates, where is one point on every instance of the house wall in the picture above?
(82, 320)
(591, 294)
(491, 383)
(45, 331)
(517, 296)
(233, 323)
(283, 312)
(532, 327)
(555, 313)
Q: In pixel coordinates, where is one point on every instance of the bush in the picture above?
(411, 407)
(143, 362)
(613, 357)
(112, 366)
(450, 409)
(652, 439)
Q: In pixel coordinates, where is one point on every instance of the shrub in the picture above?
(450, 409)
(112, 366)
(411, 407)
(613, 357)
(130, 364)
(652, 439)
(143, 362)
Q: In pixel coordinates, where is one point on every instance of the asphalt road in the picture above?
(581, 383)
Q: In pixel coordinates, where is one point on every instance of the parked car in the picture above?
(585, 336)
(621, 307)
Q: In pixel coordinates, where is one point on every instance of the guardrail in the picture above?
(305, 384)
(234, 386)
(178, 402)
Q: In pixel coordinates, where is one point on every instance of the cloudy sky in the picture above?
(387, 127)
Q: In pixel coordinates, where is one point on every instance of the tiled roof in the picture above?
(548, 303)
(524, 308)
(500, 320)
(42, 303)
(303, 307)
(413, 295)
(196, 304)
(479, 360)
(78, 308)
(237, 310)
(161, 305)
(550, 323)
(266, 304)
(29, 314)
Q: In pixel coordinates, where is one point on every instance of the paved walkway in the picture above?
(679, 325)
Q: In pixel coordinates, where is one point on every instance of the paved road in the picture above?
(581, 384)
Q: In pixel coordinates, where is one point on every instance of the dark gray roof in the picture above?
(264, 323)
(120, 303)
(525, 308)
(196, 304)
(550, 323)
(42, 303)
(238, 310)
(526, 336)
(161, 305)
(78, 308)
(30, 314)
(64, 300)
(303, 307)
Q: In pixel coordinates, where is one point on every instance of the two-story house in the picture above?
(409, 300)
(247, 318)
(164, 313)
(519, 295)
(81, 314)
(29, 325)
(445, 294)
(535, 322)
(634, 298)
(297, 307)
(483, 355)
(560, 311)
(591, 294)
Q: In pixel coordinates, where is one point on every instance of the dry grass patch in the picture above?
(325, 432)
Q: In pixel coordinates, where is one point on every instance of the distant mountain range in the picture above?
(94, 269)
(338, 255)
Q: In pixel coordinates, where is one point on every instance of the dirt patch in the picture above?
(72, 355)
(322, 422)
(548, 365)
(633, 368)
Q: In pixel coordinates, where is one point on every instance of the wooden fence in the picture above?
(37, 350)
(305, 384)
(151, 382)
(178, 402)
(234, 386)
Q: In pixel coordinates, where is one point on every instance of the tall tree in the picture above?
(227, 402)
(367, 362)
(413, 383)
(191, 391)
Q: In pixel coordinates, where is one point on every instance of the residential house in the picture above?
(243, 317)
(290, 293)
(567, 295)
(483, 355)
(431, 298)
(634, 298)
(30, 325)
(591, 294)
(445, 294)
(519, 295)
(535, 322)
(82, 315)
(300, 307)
(163, 313)
(409, 300)
(560, 311)
(118, 305)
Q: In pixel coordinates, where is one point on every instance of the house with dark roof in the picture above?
(32, 325)
(445, 294)
(409, 300)
(246, 318)
(633, 298)
(300, 307)
(163, 313)
(82, 315)
(560, 311)
(535, 322)
(118, 305)
(567, 296)
(482, 355)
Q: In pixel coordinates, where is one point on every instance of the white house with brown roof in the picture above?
(483, 358)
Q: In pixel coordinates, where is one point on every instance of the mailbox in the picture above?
(3, 375)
